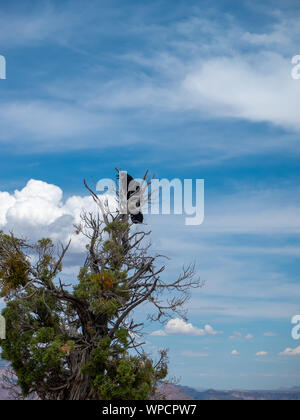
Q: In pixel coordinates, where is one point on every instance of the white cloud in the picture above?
(258, 88)
(261, 353)
(249, 337)
(38, 210)
(255, 86)
(235, 353)
(180, 327)
(283, 35)
(291, 352)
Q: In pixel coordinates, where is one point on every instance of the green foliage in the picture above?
(13, 274)
(117, 375)
(39, 351)
(14, 266)
(97, 289)
(47, 329)
(113, 248)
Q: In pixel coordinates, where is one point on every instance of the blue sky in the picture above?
(188, 90)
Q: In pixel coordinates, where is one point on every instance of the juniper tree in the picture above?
(81, 341)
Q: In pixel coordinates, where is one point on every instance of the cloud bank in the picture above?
(195, 69)
(39, 210)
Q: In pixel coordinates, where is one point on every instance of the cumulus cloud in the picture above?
(180, 327)
(38, 210)
(235, 353)
(291, 352)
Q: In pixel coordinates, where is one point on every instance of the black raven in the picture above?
(133, 187)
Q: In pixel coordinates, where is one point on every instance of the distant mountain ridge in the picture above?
(292, 394)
